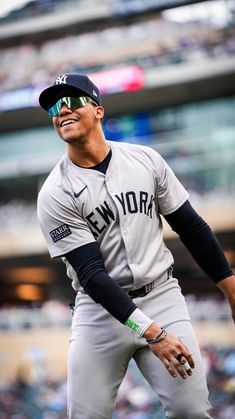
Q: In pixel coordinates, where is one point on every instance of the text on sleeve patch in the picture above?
(60, 232)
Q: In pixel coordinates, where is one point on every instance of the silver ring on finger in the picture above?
(179, 357)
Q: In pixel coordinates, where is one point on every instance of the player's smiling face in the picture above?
(73, 125)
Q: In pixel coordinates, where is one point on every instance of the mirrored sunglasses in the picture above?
(70, 102)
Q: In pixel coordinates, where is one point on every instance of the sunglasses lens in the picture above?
(55, 109)
(70, 102)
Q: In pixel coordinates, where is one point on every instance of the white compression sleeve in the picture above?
(138, 322)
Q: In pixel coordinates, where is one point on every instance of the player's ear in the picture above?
(99, 112)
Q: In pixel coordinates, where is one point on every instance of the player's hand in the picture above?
(227, 286)
(174, 355)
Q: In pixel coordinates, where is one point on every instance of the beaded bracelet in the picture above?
(159, 338)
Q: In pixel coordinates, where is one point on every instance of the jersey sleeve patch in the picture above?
(60, 232)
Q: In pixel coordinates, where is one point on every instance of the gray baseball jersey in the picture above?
(120, 209)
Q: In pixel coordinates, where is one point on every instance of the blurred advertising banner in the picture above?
(123, 79)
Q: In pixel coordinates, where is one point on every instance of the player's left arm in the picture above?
(199, 239)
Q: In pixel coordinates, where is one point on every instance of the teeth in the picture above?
(69, 121)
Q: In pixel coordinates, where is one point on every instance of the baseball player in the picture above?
(100, 210)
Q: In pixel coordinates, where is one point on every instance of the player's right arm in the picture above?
(87, 261)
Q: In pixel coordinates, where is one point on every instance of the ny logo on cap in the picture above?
(94, 93)
(61, 79)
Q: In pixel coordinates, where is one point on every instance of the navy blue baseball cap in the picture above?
(68, 85)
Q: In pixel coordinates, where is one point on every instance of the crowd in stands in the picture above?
(153, 42)
(16, 214)
(54, 313)
(46, 399)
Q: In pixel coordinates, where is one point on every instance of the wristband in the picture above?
(138, 322)
(159, 338)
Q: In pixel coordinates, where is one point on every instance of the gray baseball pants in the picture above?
(101, 348)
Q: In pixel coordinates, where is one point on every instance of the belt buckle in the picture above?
(149, 287)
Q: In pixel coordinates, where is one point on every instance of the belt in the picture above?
(141, 292)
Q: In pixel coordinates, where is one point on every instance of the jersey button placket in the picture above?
(123, 229)
(125, 234)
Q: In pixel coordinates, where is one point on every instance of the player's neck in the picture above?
(89, 153)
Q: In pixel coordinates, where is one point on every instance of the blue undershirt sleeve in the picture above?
(88, 263)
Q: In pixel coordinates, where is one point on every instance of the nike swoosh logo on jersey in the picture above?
(76, 195)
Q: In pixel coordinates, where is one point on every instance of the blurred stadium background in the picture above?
(166, 70)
